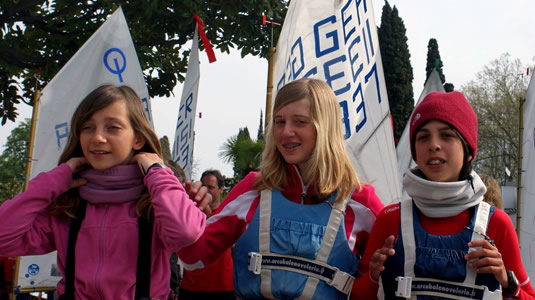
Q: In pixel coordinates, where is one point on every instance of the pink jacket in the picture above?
(106, 249)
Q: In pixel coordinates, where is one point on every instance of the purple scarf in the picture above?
(118, 184)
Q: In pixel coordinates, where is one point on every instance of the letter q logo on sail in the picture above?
(115, 62)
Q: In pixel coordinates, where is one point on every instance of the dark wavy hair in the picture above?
(100, 98)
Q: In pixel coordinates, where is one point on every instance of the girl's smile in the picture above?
(108, 139)
(294, 132)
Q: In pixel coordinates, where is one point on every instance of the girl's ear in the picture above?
(470, 157)
(139, 142)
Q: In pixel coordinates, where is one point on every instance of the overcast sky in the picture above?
(232, 91)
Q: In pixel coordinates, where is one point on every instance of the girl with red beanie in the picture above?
(445, 242)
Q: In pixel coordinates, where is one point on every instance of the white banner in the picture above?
(527, 195)
(108, 56)
(337, 41)
(184, 134)
(403, 148)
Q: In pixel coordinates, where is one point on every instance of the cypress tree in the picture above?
(434, 61)
(397, 67)
(260, 133)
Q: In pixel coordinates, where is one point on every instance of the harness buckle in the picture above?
(255, 262)
(404, 287)
(342, 281)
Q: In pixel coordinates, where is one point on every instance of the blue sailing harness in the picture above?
(430, 266)
(294, 251)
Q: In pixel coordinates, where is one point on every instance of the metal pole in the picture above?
(27, 175)
(519, 177)
(269, 92)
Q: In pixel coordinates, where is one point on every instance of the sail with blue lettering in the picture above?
(527, 193)
(184, 134)
(337, 41)
(403, 149)
(107, 57)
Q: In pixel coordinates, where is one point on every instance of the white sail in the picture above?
(184, 134)
(337, 41)
(527, 195)
(108, 56)
(403, 149)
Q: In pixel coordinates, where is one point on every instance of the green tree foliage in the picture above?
(495, 95)
(13, 161)
(397, 67)
(260, 133)
(434, 62)
(244, 153)
(166, 148)
(41, 36)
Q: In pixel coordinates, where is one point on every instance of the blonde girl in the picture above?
(302, 222)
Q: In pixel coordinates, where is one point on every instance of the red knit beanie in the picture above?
(451, 108)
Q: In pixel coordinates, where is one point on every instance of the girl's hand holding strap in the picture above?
(196, 191)
(487, 259)
(76, 164)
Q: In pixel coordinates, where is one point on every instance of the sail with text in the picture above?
(107, 57)
(337, 41)
(182, 152)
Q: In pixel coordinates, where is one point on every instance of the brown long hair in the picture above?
(329, 167)
(99, 98)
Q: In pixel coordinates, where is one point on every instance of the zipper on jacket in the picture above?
(303, 186)
(101, 252)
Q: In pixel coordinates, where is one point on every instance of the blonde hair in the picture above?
(98, 99)
(329, 167)
(493, 195)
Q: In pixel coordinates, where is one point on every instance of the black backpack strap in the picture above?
(143, 259)
(3, 281)
(74, 228)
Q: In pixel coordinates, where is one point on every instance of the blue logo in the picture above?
(116, 68)
(33, 269)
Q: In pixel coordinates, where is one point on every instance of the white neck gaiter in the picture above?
(443, 199)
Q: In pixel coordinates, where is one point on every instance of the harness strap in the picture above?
(258, 262)
(410, 287)
(143, 257)
(333, 276)
(480, 226)
(407, 232)
(329, 237)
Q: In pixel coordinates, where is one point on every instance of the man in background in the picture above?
(217, 280)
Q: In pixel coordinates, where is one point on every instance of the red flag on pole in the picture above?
(204, 39)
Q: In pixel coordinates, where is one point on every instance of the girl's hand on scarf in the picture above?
(77, 164)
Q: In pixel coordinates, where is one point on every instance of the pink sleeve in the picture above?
(25, 225)
(368, 198)
(177, 220)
